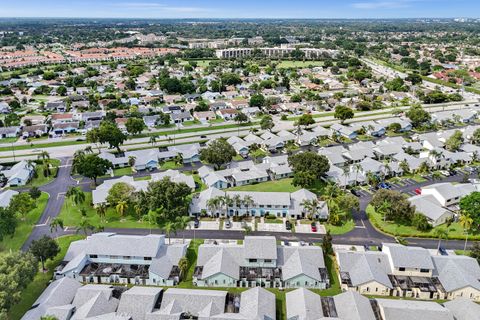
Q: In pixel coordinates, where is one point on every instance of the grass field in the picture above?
(455, 231)
(71, 215)
(41, 180)
(283, 185)
(344, 228)
(25, 227)
(299, 64)
(41, 280)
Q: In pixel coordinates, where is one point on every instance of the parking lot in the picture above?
(271, 227)
(307, 228)
(240, 226)
(207, 225)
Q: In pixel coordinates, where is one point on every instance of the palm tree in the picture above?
(423, 168)
(334, 217)
(178, 159)
(131, 161)
(330, 192)
(169, 228)
(357, 167)
(213, 204)
(227, 202)
(436, 176)
(183, 223)
(121, 207)
(248, 202)
(237, 201)
(152, 140)
(310, 207)
(388, 170)
(404, 166)
(101, 211)
(84, 226)
(55, 224)
(183, 266)
(440, 233)
(78, 196)
(44, 156)
(466, 222)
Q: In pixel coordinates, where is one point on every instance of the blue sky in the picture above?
(241, 8)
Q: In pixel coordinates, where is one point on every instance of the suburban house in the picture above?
(110, 258)
(259, 204)
(438, 202)
(67, 299)
(19, 174)
(343, 131)
(6, 196)
(204, 116)
(9, 132)
(181, 117)
(260, 262)
(410, 272)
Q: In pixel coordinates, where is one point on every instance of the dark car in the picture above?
(443, 251)
(203, 137)
(288, 225)
(384, 185)
(228, 224)
(196, 223)
(355, 193)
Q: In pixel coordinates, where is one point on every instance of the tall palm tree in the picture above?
(248, 202)
(170, 227)
(55, 224)
(384, 209)
(310, 207)
(152, 140)
(78, 196)
(183, 266)
(357, 167)
(404, 166)
(466, 222)
(214, 204)
(84, 226)
(183, 223)
(440, 233)
(237, 201)
(44, 156)
(226, 202)
(178, 159)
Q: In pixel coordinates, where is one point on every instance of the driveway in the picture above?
(207, 225)
(306, 228)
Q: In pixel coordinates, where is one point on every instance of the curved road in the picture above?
(363, 233)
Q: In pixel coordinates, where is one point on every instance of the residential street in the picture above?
(363, 233)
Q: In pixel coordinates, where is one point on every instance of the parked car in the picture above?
(445, 173)
(196, 223)
(355, 193)
(443, 251)
(288, 225)
(228, 224)
(418, 191)
(313, 226)
(203, 137)
(384, 185)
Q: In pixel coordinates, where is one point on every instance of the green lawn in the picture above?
(299, 64)
(334, 280)
(119, 172)
(455, 231)
(348, 226)
(41, 280)
(72, 216)
(8, 140)
(170, 165)
(283, 185)
(192, 253)
(41, 180)
(25, 227)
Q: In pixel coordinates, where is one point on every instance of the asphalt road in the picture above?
(363, 233)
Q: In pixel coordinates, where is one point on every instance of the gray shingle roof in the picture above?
(408, 257)
(457, 272)
(260, 247)
(353, 306)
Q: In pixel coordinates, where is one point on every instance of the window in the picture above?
(126, 257)
(268, 260)
(252, 260)
(424, 270)
(147, 258)
(401, 269)
(93, 256)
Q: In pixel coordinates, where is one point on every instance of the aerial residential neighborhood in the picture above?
(240, 160)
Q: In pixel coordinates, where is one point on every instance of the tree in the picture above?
(183, 223)
(400, 208)
(120, 192)
(91, 166)
(308, 165)
(240, 118)
(417, 115)
(8, 222)
(135, 125)
(455, 141)
(310, 207)
(475, 251)
(476, 136)
(35, 193)
(327, 244)
(108, 132)
(17, 270)
(121, 207)
(466, 223)
(441, 234)
(22, 204)
(470, 205)
(170, 227)
(44, 157)
(343, 113)
(56, 223)
(218, 153)
(257, 100)
(414, 78)
(84, 226)
(420, 222)
(183, 266)
(266, 123)
(170, 198)
(44, 249)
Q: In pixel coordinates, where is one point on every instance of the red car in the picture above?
(418, 191)
(314, 227)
